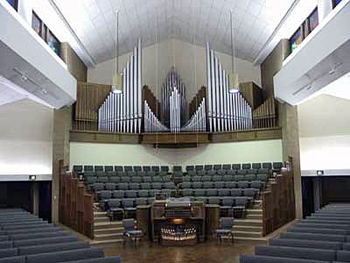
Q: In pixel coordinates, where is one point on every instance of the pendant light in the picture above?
(233, 77)
(117, 81)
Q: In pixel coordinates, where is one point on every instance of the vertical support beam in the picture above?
(290, 147)
(61, 126)
(35, 195)
(317, 187)
(288, 117)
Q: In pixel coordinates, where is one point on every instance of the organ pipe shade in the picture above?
(233, 82)
(117, 84)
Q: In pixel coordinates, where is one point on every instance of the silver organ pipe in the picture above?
(151, 122)
(226, 111)
(198, 121)
(123, 112)
(173, 102)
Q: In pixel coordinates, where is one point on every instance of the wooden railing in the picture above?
(278, 203)
(76, 206)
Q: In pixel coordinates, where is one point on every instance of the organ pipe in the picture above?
(226, 111)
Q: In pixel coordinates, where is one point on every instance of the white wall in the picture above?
(25, 138)
(124, 154)
(188, 59)
(324, 128)
(325, 153)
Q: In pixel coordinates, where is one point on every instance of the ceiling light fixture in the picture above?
(117, 81)
(233, 77)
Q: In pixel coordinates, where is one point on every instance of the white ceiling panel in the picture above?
(93, 21)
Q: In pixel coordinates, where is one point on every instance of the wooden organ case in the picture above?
(177, 222)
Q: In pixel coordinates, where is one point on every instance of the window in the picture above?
(336, 2)
(313, 20)
(37, 25)
(53, 42)
(41, 29)
(304, 30)
(13, 3)
(296, 39)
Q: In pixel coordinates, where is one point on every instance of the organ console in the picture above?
(178, 221)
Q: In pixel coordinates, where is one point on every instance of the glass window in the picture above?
(313, 20)
(53, 42)
(296, 39)
(37, 24)
(13, 3)
(336, 2)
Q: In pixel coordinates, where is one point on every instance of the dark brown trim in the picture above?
(171, 140)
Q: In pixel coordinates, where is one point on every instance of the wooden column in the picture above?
(212, 220)
(143, 217)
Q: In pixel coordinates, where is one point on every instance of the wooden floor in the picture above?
(201, 253)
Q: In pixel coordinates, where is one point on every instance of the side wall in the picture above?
(324, 125)
(124, 154)
(25, 138)
(189, 60)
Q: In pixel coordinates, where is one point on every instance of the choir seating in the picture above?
(322, 237)
(119, 189)
(25, 238)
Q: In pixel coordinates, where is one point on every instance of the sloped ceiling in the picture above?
(195, 21)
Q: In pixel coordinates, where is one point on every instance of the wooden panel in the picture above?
(278, 203)
(143, 217)
(212, 220)
(252, 93)
(75, 65)
(90, 96)
(101, 137)
(194, 104)
(265, 116)
(172, 138)
(147, 95)
(89, 216)
(252, 135)
(75, 204)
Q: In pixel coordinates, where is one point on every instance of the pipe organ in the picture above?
(123, 112)
(151, 122)
(213, 109)
(226, 111)
(198, 121)
(175, 110)
(173, 82)
(265, 115)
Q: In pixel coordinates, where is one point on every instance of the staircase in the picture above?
(251, 227)
(106, 231)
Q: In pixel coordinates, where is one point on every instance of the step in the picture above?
(251, 240)
(103, 225)
(247, 228)
(106, 242)
(248, 222)
(100, 237)
(255, 211)
(247, 234)
(108, 230)
(254, 216)
(101, 219)
(99, 214)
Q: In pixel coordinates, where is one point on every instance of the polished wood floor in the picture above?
(201, 253)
